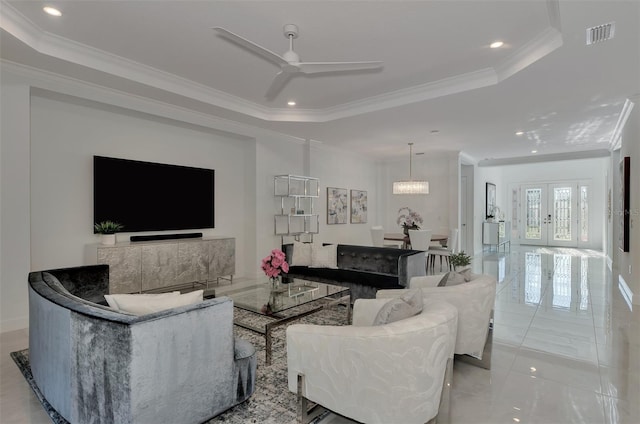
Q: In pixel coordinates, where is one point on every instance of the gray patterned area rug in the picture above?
(271, 403)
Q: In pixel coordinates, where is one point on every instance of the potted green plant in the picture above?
(460, 260)
(108, 229)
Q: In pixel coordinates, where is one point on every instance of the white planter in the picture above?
(108, 239)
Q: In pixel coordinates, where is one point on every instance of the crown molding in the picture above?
(49, 44)
(467, 159)
(66, 86)
(616, 140)
(584, 154)
(53, 45)
(415, 94)
(535, 49)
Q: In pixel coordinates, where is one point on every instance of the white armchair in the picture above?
(375, 374)
(474, 301)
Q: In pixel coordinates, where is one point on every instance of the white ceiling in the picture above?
(439, 72)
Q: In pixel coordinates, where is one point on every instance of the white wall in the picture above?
(274, 156)
(65, 135)
(14, 204)
(593, 171)
(439, 208)
(49, 138)
(627, 264)
(484, 175)
(340, 169)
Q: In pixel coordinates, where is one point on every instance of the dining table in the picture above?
(406, 243)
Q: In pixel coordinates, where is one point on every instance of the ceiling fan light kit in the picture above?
(289, 61)
(410, 186)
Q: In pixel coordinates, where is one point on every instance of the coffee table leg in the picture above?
(267, 343)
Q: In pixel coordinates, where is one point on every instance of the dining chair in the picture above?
(420, 240)
(377, 238)
(444, 251)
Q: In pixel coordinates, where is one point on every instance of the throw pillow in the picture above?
(142, 304)
(397, 309)
(324, 256)
(414, 299)
(454, 278)
(301, 254)
(112, 299)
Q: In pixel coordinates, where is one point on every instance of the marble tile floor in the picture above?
(566, 348)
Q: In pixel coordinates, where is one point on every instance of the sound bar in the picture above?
(165, 237)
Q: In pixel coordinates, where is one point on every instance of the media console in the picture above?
(160, 265)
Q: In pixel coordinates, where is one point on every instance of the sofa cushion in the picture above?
(301, 254)
(405, 306)
(324, 256)
(142, 304)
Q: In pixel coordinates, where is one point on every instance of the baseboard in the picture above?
(626, 292)
(14, 324)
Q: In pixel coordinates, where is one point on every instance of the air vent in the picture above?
(600, 33)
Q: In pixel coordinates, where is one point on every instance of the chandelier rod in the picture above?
(410, 157)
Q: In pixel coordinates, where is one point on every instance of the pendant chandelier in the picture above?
(410, 186)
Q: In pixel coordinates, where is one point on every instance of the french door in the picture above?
(554, 214)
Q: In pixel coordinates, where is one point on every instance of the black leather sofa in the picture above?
(364, 269)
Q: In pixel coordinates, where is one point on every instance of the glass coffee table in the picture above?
(284, 303)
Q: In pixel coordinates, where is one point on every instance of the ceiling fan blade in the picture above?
(278, 83)
(267, 54)
(317, 67)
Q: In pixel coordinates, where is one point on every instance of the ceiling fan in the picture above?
(290, 63)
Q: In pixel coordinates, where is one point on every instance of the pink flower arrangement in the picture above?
(275, 264)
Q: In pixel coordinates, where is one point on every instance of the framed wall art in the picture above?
(337, 205)
(490, 202)
(358, 207)
(625, 203)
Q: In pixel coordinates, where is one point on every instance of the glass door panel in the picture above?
(563, 210)
(533, 217)
(584, 213)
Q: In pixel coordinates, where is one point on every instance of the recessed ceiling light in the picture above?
(52, 11)
(519, 133)
(291, 103)
(496, 44)
(534, 151)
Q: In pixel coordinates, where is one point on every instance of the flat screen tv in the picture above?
(146, 196)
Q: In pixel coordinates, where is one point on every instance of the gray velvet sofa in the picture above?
(96, 365)
(364, 269)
